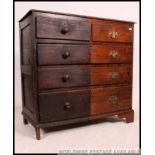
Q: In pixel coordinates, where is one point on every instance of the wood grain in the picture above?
(75, 68)
(124, 31)
(52, 28)
(101, 99)
(26, 66)
(103, 53)
(54, 54)
(52, 77)
(82, 102)
(53, 109)
(49, 54)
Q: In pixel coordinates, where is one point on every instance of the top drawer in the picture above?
(121, 32)
(57, 28)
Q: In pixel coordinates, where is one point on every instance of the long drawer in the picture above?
(79, 75)
(61, 105)
(49, 54)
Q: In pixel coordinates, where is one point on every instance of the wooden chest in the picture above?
(75, 68)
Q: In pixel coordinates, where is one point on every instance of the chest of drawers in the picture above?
(75, 69)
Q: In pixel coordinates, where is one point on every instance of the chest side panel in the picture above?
(26, 64)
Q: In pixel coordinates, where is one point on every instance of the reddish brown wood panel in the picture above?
(72, 76)
(62, 29)
(110, 53)
(104, 100)
(110, 74)
(64, 105)
(129, 116)
(113, 32)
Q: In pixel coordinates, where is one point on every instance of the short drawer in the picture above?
(58, 28)
(110, 53)
(110, 99)
(72, 76)
(49, 54)
(64, 105)
(121, 32)
(63, 54)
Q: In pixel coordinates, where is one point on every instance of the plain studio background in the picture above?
(105, 135)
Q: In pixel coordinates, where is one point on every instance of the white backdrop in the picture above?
(115, 10)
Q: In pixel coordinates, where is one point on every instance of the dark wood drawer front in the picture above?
(113, 33)
(63, 29)
(63, 54)
(65, 76)
(82, 54)
(64, 105)
(72, 76)
(104, 100)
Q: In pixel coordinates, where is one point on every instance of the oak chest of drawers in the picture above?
(75, 68)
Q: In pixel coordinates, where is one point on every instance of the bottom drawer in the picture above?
(104, 100)
(61, 105)
(64, 105)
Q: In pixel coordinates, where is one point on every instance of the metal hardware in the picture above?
(113, 54)
(65, 78)
(113, 33)
(113, 99)
(66, 54)
(67, 106)
(65, 28)
(114, 75)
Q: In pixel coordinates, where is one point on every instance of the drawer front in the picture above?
(64, 105)
(63, 54)
(111, 53)
(113, 32)
(61, 105)
(104, 100)
(82, 54)
(72, 76)
(62, 29)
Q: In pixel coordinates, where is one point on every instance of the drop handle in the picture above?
(67, 106)
(114, 75)
(113, 99)
(65, 28)
(66, 54)
(113, 33)
(65, 78)
(113, 54)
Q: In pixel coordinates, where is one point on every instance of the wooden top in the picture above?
(68, 14)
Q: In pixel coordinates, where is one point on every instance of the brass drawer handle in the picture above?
(114, 75)
(65, 78)
(113, 54)
(66, 54)
(67, 106)
(113, 33)
(113, 99)
(65, 28)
